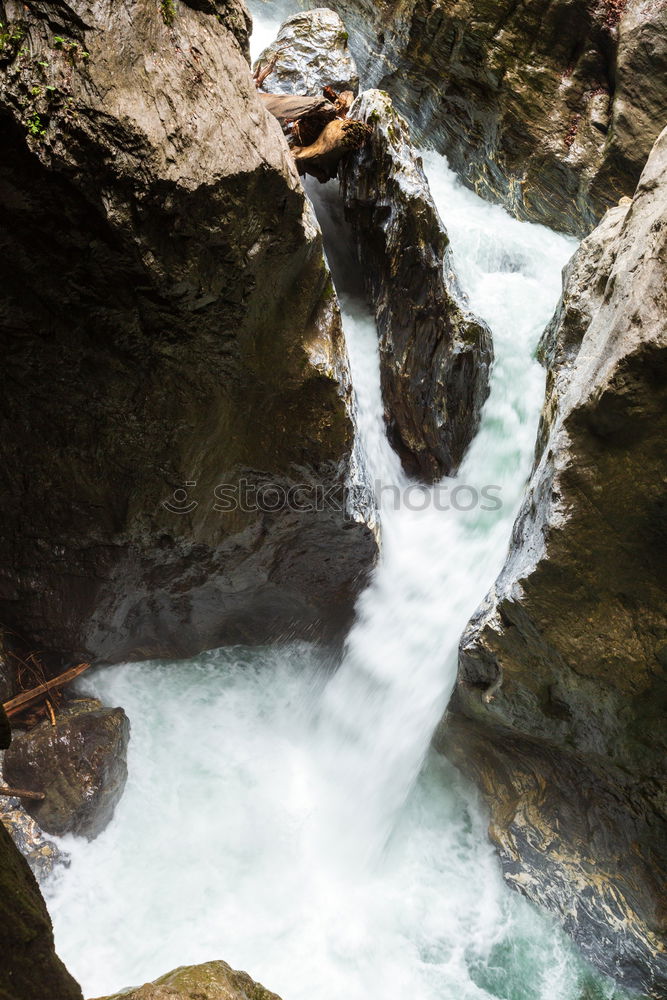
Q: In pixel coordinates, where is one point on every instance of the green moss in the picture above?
(29, 966)
(168, 10)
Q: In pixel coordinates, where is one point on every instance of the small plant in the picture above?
(11, 37)
(73, 50)
(36, 91)
(34, 125)
(168, 10)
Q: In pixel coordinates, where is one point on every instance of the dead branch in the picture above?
(262, 72)
(19, 704)
(21, 793)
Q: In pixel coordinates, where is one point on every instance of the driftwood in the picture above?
(21, 793)
(25, 700)
(292, 107)
(320, 159)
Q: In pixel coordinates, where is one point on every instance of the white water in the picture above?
(295, 824)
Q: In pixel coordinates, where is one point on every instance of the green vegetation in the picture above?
(73, 50)
(35, 125)
(11, 36)
(168, 9)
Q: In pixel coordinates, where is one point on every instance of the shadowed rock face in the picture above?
(211, 981)
(551, 109)
(167, 319)
(559, 710)
(29, 966)
(435, 356)
(80, 764)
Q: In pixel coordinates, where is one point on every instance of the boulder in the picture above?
(550, 109)
(310, 52)
(211, 981)
(80, 763)
(560, 704)
(177, 393)
(29, 966)
(435, 355)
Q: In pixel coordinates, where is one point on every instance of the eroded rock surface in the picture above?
(211, 981)
(551, 109)
(559, 710)
(311, 51)
(80, 764)
(29, 966)
(169, 327)
(435, 355)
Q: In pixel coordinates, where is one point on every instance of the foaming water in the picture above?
(295, 823)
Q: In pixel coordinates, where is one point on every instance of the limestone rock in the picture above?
(312, 52)
(170, 330)
(551, 109)
(559, 710)
(435, 355)
(29, 966)
(211, 981)
(80, 763)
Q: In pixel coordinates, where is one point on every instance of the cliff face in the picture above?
(559, 710)
(551, 109)
(29, 966)
(435, 355)
(168, 324)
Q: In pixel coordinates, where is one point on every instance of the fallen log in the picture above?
(27, 699)
(291, 108)
(21, 793)
(320, 159)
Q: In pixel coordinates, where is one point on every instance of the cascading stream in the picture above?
(295, 823)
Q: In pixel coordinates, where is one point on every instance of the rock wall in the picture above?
(29, 966)
(168, 326)
(559, 709)
(551, 109)
(435, 355)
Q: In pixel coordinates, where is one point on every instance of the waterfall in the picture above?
(294, 822)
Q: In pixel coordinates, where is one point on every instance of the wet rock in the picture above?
(186, 339)
(559, 710)
(43, 855)
(311, 52)
(550, 109)
(80, 763)
(435, 354)
(29, 966)
(211, 981)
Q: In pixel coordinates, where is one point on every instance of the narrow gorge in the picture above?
(333, 599)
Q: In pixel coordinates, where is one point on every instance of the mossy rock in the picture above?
(210, 981)
(29, 966)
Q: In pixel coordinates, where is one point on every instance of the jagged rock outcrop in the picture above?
(29, 966)
(42, 854)
(310, 51)
(80, 764)
(559, 708)
(211, 981)
(435, 356)
(169, 328)
(551, 109)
